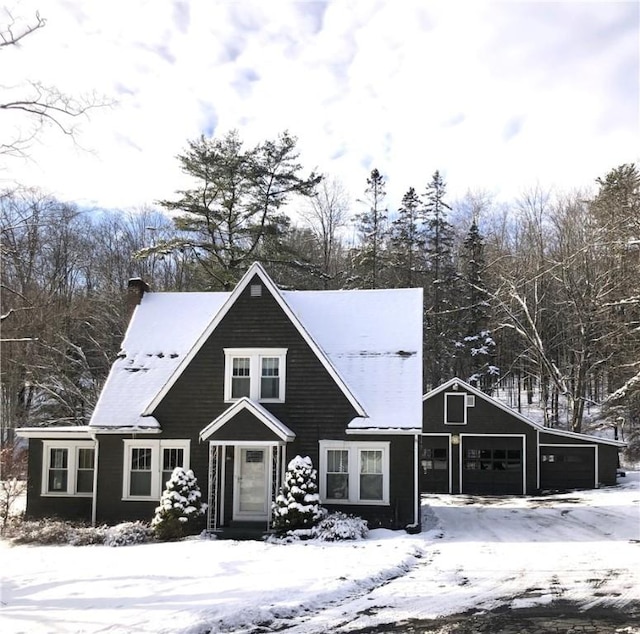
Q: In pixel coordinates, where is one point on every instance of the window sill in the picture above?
(66, 495)
(359, 502)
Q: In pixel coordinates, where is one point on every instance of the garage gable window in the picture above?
(455, 408)
(67, 467)
(354, 473)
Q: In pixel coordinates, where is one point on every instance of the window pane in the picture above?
(140, 483)
(370, 462)
(270, 378)
(241, 366)
(337, 461)
(84, 474)
(371, 487)
(172, 457)
(59, 458)
(85, 481)
(57, 479)
(85, 458)
(337, 486)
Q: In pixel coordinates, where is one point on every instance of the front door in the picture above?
(251, 501)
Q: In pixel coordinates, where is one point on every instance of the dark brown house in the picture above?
(233, 386)
(472, 443)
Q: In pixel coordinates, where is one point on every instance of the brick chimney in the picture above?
(136, 288)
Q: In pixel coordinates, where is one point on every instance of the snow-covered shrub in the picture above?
(297, 506)
(338, 527)
(128, 533)
(181, 503)
(87, 535)
(45, 532)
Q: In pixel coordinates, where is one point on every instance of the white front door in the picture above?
(251, 500)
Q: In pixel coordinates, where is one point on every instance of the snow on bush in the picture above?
(297, 506)
(128, 533)
(181, 503)
(339, 526)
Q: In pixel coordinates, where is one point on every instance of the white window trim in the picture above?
(72, 447)
(255, 355)
(354, 449)
(461, 395)
(156, 446)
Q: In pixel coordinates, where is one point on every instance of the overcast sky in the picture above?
(498, 96)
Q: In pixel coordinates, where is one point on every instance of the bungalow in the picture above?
(233, 386)
(472, 443)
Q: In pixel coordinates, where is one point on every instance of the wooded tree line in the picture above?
(540, 296)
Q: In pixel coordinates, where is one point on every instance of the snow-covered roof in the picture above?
(374, 340)
(369, 340)
(162, 330)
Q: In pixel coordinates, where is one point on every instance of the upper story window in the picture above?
(255, 373)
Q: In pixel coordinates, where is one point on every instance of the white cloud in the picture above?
(496, 95)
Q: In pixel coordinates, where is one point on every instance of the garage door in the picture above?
(434, 464)
(567, 467)
(492, 465)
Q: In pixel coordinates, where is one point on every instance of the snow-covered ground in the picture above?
(475, 553)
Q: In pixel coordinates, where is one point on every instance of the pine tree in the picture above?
(478, 347)
(180, 505)
(441, 324)
(372, 227)
(297, 506)
(407, 241)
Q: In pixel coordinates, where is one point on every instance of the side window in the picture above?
(354, 473)
(68, 467)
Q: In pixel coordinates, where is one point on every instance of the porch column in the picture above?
(212, 509)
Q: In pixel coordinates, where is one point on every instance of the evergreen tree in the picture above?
(441, 320)
(233, 213)
(372, 227)
(407, 242)
(180, 505)
(477, 360)
(297, 506)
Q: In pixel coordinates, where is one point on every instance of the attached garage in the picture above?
(568, 466)
(477, 445)
(492, 465)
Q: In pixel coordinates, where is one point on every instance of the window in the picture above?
(493, 459)
(255, 373)
(68, 467)
(455, 408)
(148, 465)
(434, 459)
(354, 473)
